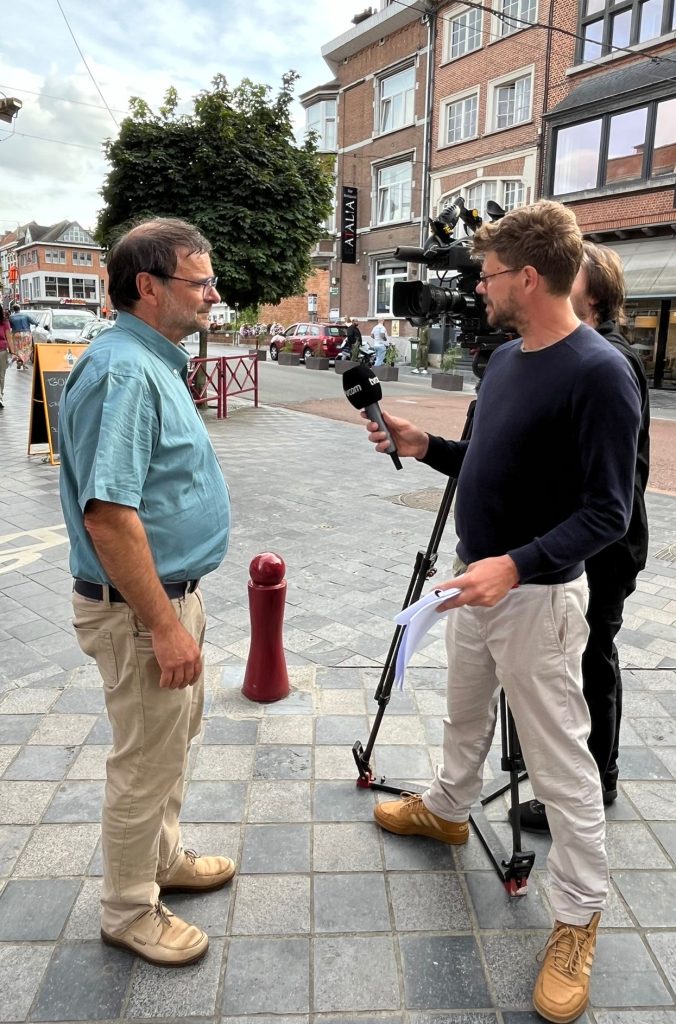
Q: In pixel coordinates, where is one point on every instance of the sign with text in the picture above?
(348, 228)
(51, 367)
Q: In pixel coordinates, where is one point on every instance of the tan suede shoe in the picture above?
(561, 991)
(198, 874)
(161, 938)
(410, 817)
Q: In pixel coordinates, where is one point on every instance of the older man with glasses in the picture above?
(147, 512)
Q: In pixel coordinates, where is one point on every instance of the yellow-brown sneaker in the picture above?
(161, 938)
(198, 874)
(410, 817)
(561, 991)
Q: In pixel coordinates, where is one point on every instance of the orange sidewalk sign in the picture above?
(51, 366)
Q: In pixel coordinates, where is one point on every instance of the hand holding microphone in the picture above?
(363, 391)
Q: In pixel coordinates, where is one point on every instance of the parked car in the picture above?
(61, 325)
(310, 340)
(93, 329)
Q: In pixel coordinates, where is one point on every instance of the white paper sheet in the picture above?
(417, 620)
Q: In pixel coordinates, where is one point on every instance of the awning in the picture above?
(649, 267)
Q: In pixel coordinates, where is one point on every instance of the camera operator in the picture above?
(598, 297)
(544, 482)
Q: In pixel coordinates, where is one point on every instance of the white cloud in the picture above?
(133, 48)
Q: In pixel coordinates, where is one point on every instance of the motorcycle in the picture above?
(367, 355)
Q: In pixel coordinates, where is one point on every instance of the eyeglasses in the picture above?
(206, 284)
(484, 278)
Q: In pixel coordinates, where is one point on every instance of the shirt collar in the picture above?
(174, 356)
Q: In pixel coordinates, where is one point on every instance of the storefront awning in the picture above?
(649, 267)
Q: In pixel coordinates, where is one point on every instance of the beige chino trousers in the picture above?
(145, 771)
(531, 645)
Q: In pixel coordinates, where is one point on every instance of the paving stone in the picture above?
(13, 838)
(639, 763)
(190, 992)
(334, 762)
(229, 730)
(77, 700)
(56, 850)
(624, 974)
(342, 801)
(286, 729)
(461, 1018)
(346, 847)
(666, 834)
(415, 853)
(21, 971)
(275, 848)
(61, 730)
(344, 975)
(7, 755)
(408, 729)
(214, 801)
(84, 923)
(631, 845)
(350, 903)
(651, 896)
(297, 703)
(27, 701)
(84, 982)
(23, 803)
(223, 763)
(101, 733)
(443, 970)
(279, 801)
(289, 762)
(656, 732)
(512, 966)
(267, 976)
(655, 800)
(428, 902)
(211, 838)
(209, 910)
(269, 905)
(76, 801)
(403, 762)
(663, 945)
(90, 763)
(342, 702)
(36, 910)
(635, 1017)
(41, 764)
(340, 729)
(17, 728)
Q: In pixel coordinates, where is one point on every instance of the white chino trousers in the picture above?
(531, 645)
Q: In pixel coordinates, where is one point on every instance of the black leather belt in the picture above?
(95, 591)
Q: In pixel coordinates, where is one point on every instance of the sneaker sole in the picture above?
(121, 944)
(556, 1018)
(420, 831)
(211, 887)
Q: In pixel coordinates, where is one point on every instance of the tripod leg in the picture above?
(519, 867)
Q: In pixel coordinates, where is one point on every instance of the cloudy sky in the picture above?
(133, 47)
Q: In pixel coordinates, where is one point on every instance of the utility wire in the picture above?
(60, 142)
(77, 45)
(61, 99)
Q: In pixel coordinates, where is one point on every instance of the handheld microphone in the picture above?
(363, 391)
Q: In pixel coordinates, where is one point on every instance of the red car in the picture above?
(310, 340)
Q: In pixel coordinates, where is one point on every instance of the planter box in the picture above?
(260, 353)
(386, 372)
(288, 358)
(448, 381)
(341, 365)
(317, 363)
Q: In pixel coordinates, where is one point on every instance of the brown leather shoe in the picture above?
(161, 938)
(561, 991)
(198, 874)
(410, 817)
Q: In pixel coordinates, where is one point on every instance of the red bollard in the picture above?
(266, 677)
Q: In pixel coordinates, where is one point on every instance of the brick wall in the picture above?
(293, 309)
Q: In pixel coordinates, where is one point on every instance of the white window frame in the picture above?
(457, 15)
(501, 29)
(499, 195)
(76, 234)
(390, 273)
(492, 102)
(380, 189)
(409, 100)
(519, 186)
(451, 101)
(327, 116)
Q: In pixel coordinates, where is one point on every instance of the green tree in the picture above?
(233, 168)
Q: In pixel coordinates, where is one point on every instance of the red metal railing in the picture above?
(213, 380)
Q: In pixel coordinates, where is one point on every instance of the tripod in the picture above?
(513, 872)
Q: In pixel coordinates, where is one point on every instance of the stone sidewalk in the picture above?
(329, 919)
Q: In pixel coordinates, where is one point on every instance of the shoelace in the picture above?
(413, 800)
(569, 951)
(162, 914)
(191, 855)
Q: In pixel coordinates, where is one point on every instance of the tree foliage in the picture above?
(233, 168)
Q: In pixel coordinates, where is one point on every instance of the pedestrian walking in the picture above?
(147, 512)
(379, 336)
(423, 350)
(5, 336)
(598, 298)
(545, 481)
(21, 324)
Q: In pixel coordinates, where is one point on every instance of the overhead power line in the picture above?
(84, 61)
(60, 142)
(61, 99)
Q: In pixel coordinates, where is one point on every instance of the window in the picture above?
(512, 103)
(321, 118)
(632, 145)
(513, 195)
(605, 24)
(35, 287)
(477, 196)
(461, 119)
(55, 255)
(394, 192)
(508, 193)
(82, 257)
(78, 288)
(63, 287)
(76, 234)
(387, 273)
(464, 33)
(511, 15)
(50, 287)
(396, 103)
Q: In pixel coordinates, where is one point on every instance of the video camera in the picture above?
(423, 303)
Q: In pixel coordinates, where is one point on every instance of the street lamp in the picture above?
(9, 108)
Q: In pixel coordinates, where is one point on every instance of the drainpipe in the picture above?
(431, 18)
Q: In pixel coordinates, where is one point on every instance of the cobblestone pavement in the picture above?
(329, 919)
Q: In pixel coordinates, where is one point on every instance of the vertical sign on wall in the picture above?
(348, 230)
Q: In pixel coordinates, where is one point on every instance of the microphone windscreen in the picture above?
(361, 387)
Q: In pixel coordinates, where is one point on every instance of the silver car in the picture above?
(61, 325)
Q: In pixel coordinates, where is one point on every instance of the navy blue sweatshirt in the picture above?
(547, 476)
